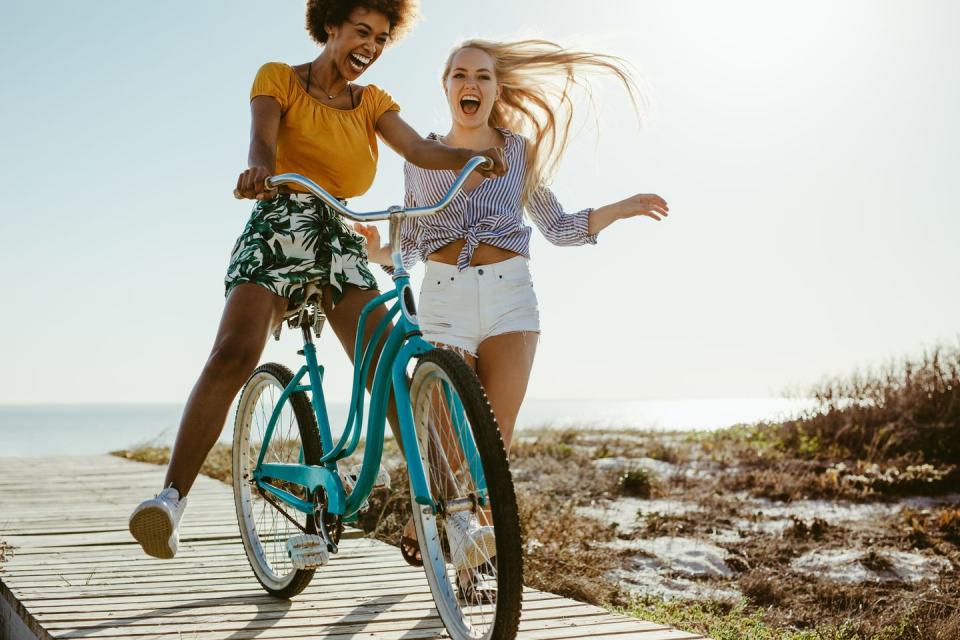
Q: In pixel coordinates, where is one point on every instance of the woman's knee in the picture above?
(233, 357)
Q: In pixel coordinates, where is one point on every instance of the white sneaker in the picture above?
(155, 522)
(470, 544)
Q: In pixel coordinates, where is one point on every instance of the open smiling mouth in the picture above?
(470, 104)
(358, 62)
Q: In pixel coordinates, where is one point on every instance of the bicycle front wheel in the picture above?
(266, 523)
(471, 547)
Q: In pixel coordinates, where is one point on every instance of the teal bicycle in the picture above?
(292, 500)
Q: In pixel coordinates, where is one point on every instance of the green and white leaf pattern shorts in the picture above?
(294, 245)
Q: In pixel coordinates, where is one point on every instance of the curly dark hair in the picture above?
(402, 15)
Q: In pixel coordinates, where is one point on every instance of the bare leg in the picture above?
(504, 363)
(250, 314)
(409, 529)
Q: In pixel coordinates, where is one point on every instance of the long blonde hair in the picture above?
(536, 79)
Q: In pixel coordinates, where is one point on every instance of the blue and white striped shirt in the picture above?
(492, 213)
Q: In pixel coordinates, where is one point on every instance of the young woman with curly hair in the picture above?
(477, 294)
(312, 119)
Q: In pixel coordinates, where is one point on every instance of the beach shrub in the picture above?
(908, 409)
(637, 483)
(863, 479)
(949, 524)
(659, 524)
(660, 451)
(762, 589)
(801, 529)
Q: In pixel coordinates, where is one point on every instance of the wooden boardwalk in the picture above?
(75, 572)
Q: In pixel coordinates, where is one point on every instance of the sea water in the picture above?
(47, 430)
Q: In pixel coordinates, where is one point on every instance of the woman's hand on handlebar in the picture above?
(499, 167)
(375, 251)
(251, 184)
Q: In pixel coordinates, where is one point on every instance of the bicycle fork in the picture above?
(411, 443)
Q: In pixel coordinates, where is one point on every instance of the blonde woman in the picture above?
(477, 295)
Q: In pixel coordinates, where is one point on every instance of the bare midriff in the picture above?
(484, 254)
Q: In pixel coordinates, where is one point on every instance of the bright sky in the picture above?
(809, 153)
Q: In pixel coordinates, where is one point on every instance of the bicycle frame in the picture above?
(403, 344)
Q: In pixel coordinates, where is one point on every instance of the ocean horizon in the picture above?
(84, 429)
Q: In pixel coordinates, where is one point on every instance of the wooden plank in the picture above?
(273, 608)
(369, 629)
(259, 600)
(191, 566)
(76, 573)
(390, 619)
(202, 581)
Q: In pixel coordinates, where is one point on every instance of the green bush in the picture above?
(637, 483)
(906, 409)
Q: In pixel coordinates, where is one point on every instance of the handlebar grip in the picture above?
(267, 186)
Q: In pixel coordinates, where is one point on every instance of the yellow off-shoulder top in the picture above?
(335, 148)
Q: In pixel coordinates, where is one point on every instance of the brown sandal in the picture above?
(407, 542)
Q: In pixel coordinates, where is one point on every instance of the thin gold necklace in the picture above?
(325, 92)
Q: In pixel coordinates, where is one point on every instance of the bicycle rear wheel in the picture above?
(481, 599)
(265, 523)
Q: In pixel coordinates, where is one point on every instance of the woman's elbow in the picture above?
(415, 153)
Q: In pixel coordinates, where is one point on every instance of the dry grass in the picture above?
(875, 434)
(218, 464)
(906, 410)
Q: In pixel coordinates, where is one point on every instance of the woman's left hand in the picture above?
(644, 204)
(375, 251)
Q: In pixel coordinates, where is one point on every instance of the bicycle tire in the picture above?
(466, 619)
(263, 529)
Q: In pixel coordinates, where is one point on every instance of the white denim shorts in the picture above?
(463, 308)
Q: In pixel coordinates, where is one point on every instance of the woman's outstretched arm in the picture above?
(642, 204)
(582, 227)
(431, 154)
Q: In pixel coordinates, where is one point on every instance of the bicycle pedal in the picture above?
(307, 551)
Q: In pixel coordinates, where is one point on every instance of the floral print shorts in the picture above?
(295, 245)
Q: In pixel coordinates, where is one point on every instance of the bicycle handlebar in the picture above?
(475, 162)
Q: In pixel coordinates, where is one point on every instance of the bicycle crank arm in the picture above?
(325, 533)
